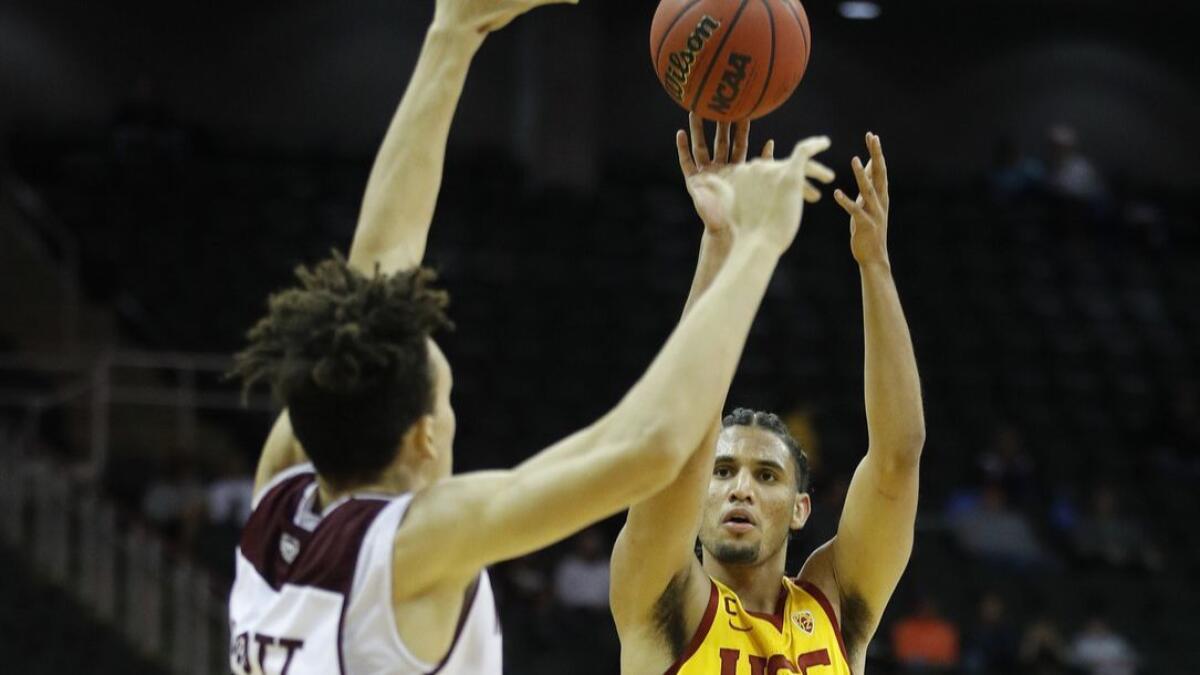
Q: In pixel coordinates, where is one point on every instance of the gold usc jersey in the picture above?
(802, 636)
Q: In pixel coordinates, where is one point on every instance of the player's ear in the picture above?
(418, 442)
(801, 510)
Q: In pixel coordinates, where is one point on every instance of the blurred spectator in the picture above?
(581, 589)
(1043, 650)
(992, 643)
(581, 580)
(174, 502)
(1070, 174)
(993, 532)
(1108, 537)
(1006, 463)
(925, 641)
(1100, 651)
(231, 494)
(1013, 174)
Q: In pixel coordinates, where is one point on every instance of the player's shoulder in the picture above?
(290, 476)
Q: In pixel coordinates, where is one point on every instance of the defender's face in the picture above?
(444, 421)
(752, 501)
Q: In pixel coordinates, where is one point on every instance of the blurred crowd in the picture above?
(1052, 308)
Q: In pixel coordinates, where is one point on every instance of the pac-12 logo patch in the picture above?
(804, 621)
(289, 548)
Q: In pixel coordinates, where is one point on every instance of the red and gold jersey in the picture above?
(802, 636)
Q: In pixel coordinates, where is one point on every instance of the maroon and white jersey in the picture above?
(313, 592)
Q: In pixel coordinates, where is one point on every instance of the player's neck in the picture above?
(394, 481)
(757, 586)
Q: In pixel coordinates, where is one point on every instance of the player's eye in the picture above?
(722, 472)
(767, 476)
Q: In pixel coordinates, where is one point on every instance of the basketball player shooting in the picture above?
(363, 554)
(734, 612)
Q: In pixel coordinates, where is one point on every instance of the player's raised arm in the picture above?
(397, 209)
(875, 534)
(647, 556)
(639, 447)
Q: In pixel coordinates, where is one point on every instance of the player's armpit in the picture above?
(657, 545)
(875, 534)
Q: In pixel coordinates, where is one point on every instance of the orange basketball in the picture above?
(730, 60)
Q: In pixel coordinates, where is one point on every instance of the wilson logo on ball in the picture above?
(680, 63)
(731, 83)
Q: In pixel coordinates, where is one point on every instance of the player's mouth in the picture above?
(738, 520)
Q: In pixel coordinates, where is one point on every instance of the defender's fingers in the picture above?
(768, 151)
(818, 171)
(721, 144)
(811, 194)
(741, 141)
(686, 163)
(699, 144)
(811, 146)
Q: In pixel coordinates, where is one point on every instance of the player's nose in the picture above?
(742, 487)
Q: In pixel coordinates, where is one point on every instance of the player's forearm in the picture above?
(895, 414)
(714, 250)
(683, 390)
(404, 182)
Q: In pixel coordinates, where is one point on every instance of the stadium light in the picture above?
(860, 11)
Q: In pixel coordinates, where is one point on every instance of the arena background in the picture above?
(164, 166)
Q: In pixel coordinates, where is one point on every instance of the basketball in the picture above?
(730, 60)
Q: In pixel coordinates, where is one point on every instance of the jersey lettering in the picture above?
(776, 664)
(241, 652)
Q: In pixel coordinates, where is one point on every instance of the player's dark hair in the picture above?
(347, 354)
(744, 417)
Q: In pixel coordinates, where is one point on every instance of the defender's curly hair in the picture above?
(744, 417)
(347, 354)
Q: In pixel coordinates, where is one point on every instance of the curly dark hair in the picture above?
(347, 354)
(745, 417)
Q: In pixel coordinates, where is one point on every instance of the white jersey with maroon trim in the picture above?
(313, 593)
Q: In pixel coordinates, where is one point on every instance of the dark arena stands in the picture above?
(162, 171)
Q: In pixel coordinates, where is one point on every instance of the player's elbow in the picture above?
(659, 455)
(904, 450)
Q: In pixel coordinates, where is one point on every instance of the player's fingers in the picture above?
(854, 209)
(818, 171)
(721, 144)
(768, 151)
(686, 163)
(878, 165)
(699, 143)
(811, 146)
(865, 189)
(741, 141)
(811, 194)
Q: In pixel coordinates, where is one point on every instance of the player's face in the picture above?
(752, 501)
(444, 422)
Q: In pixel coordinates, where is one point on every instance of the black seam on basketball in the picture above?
(667, 33)
(803, 29)
(716, 55)
(771, 61)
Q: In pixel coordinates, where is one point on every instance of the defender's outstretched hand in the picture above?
(764, 197)
(695, 159)
(868, 213)
(485, 16)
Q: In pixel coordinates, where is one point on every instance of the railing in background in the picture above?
(169, 609)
